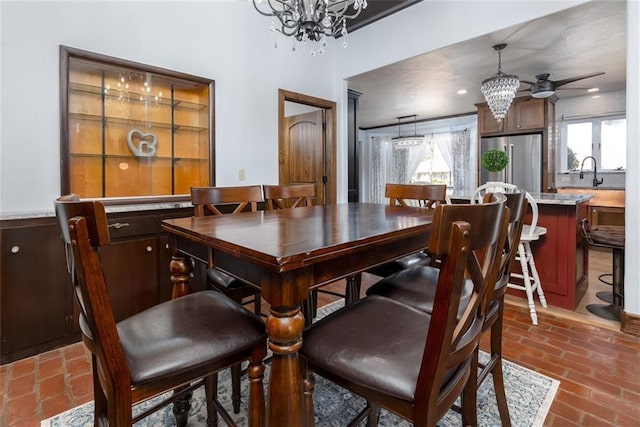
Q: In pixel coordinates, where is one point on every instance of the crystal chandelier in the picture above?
(311, 20)
(500, 89)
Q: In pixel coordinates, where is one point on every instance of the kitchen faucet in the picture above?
(596, 181)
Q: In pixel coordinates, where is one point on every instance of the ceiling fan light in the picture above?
(542, 94)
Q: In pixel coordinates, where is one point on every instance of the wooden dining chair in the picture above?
(530, 233)
(231, 200)
(213, 201)
(180, 344)
(405, 360)
(288, 195)
(408, 287)
(427, 196)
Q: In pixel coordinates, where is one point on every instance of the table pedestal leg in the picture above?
(284, 406)
(181, 268)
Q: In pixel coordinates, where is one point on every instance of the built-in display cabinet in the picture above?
(132, 130)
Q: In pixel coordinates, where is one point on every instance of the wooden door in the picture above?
(302, 158)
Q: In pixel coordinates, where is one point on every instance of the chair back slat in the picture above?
(289, 195)
(517, 204)
(205, 199)
(465, 240)
(503, 187)
(86, 225)
(423, 195)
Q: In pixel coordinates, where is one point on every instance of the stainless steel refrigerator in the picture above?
(525, 160)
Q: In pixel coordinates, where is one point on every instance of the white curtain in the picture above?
(384, 160)
(456, 151)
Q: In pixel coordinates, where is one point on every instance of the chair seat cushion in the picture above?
(608, 235)
(416, 287)
(529, 235)
(186, 333)
(376, 343)
(413, 260)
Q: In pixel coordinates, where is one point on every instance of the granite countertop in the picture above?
(108, 208)
(546, 198)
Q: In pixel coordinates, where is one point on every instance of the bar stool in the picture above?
(530, 233)
(612, 237)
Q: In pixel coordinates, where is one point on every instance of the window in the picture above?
(603, 138)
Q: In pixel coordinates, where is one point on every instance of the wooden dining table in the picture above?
(286, 253)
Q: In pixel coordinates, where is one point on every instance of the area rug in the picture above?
(529, 396)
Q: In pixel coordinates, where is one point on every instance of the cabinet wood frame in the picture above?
(69, 53)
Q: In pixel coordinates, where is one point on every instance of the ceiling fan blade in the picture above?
(527, 82)
(575, 79)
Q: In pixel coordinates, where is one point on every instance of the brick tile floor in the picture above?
(598, 366)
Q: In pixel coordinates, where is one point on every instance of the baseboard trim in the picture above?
(630, 323)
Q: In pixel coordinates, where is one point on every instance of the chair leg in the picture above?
(255, 372)
(257, 304)
(101, 404)
(307, 309)
(309, 385)
(181, 409)
(374, 415)
(496, 372)
(469, 394)
(524, 264)
(236, 371)
(534, 273)
(211, 393)
(353, 289)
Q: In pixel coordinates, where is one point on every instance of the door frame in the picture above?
(330, 149)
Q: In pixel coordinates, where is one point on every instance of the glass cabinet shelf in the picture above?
(141, 123)
(134, 97)
(133, 130)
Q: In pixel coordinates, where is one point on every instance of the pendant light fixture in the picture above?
(500, 89)
(311, 20)
(407, 138)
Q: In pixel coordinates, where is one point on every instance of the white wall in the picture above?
(632, 190)
(226, 41)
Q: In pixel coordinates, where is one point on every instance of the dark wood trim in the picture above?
(377, 10)
(630, 323)
(331, 142)
(432, 119)
(67, 53)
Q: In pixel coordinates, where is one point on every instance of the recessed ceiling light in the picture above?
(461, 92)
(593, 89)
(596, 96)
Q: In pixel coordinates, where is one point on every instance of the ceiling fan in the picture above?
(544, 88)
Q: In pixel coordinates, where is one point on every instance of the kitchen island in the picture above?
(562, 255)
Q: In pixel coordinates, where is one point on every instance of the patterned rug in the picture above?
(529, 396)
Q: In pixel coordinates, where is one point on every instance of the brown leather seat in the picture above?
(300, 195)
(423, 195)
(416, 287)
(168, 346)
(610, 237)
(410, 362)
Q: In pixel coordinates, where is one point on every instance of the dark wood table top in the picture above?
(288, 239)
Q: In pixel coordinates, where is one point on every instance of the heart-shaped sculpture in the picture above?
(146, 143)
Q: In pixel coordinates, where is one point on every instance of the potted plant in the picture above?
(494, 160)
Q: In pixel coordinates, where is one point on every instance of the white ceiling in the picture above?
(581, 40)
